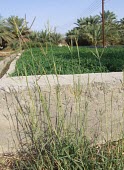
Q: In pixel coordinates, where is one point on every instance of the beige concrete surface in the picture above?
(100, 98)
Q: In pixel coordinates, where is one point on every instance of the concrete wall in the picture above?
(99, 97)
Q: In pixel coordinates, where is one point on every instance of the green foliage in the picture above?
(121, 30)
(14, 45)
(1, 58)
(12, 31)
(88, 30)
(18, 26)
(45, 37)
(62, 61)
(58, 140)
(31, 44)
(5, 36)
(71, 153)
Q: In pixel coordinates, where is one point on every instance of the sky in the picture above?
(61, 14)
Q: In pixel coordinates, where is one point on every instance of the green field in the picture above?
(63, 60)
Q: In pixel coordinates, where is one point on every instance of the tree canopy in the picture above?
(88, 30)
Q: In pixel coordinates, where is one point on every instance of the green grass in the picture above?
(1, 58)
(62, 145)
(67, 155)
(64, 61)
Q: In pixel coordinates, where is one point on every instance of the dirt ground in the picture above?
(5, 53)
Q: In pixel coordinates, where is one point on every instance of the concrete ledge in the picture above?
(52, 80)
(4, 63)
(12, 65)
(101, 101)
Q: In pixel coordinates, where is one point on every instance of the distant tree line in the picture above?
(15, 32)
(88, 30)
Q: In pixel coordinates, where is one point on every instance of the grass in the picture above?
(71, 156)
(1, 58)
(38, 62)
(54, 138)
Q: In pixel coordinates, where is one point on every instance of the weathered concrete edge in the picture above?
(6, 61)
(21, 83)
(12, 66)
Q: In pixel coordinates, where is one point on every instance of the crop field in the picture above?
(66, 60)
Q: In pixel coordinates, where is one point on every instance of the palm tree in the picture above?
(5, 36)
(121, 30)
(84, 22)
(88, 30)
(72, 36)
(56, 38)
(111, 31)
(122, 21)
(110, 17)
(18, 26)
